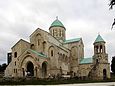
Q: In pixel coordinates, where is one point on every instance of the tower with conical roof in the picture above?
(101, 67)
(99, 46)
(57, 30)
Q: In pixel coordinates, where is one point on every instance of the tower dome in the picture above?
(57, 30)
(57, 23)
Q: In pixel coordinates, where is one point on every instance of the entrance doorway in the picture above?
(44, 69)
(104, 74)
(30, 69)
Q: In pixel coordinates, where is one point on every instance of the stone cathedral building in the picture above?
(51, 54)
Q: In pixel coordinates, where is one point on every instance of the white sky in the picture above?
(82, 18)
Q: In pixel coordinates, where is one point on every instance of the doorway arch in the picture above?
(44, 69)
(104, 74)
(30, 69)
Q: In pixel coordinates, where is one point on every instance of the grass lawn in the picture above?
(50, 82)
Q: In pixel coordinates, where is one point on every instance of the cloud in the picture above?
(82, 18)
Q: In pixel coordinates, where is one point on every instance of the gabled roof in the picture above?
(19, 42)
(99, 39)
(72, 40)
(86, 60)
(57, 23)
(38, 53)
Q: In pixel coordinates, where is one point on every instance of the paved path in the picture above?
(96, 84)
(87, 84)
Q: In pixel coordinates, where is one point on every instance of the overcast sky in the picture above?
(81, 18)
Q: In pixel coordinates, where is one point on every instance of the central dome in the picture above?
(57, 23)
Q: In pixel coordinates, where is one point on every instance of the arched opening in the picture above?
(74, 52)
(32, 46)
(44, 69)
(23, 72)
(101, 49)
(51, 52)
(97, 61)
(61, 71)
(44, 46)
(15, 54)
(30, 69)
(104, 74)
(97, 50)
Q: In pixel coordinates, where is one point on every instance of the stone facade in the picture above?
(50, 54)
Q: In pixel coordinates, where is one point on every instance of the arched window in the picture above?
(38, 39)
(44, 46)
(100, 48)
(64, 57)
(14, 70)
(53, 32)
(59, 32)
(73, 52)
(104, 74)
(56, 32)
(51, 52)
(97, 61)
(63, 33)
(15, 63)
(15, 54)
(38, 42)
(97, 51)
(32, 46)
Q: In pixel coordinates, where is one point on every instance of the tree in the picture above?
(0, 68)
(3, 67)
(111, 4)
(113, 64)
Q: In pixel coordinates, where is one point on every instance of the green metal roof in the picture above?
(57, 23)
(72, 40)
(38, 53)
(99, 39)
(86, 60)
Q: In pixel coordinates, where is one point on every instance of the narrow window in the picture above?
(56, 33)
(101, 49)
(32, 46)
(38, 42)
(97, 61)
(97, 49)
(59, 32)
(15, 54)
(51, 52)
(15, 63)
(44, 45)
(63, 33)
(14, 70)
(53, 32)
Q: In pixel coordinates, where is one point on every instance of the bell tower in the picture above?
(101, 67)
(57, 30)
(100, 55)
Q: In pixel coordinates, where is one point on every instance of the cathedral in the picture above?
(51, 54)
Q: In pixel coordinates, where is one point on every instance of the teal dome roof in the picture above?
(99, 39)
(57, 23)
